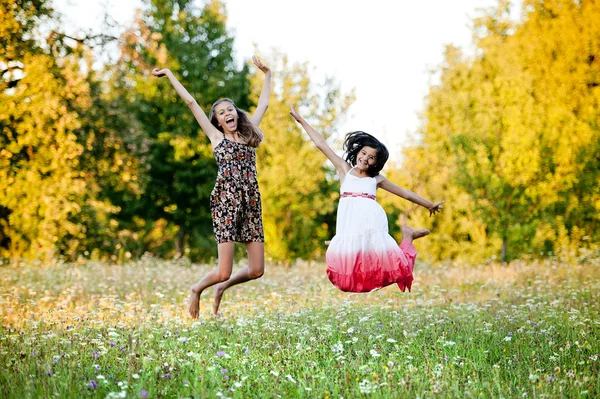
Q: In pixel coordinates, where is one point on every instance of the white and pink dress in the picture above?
(362, 256)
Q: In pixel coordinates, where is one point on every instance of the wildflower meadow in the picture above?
(526, 329)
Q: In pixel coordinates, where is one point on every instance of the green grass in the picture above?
(529, 329)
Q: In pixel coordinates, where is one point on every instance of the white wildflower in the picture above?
(365, 386)
(337, 348)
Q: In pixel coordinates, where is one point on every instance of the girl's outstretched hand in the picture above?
(259, 64)
(160, 72)
(295, 113)
(436, 207)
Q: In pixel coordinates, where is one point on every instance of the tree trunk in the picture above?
(180, 242)
(503, 251)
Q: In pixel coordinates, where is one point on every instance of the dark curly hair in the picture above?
(355, 141)
(252, 134)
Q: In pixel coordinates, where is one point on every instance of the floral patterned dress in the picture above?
(235, 200)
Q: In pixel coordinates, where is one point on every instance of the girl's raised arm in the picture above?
(340, 164)
(263, 100)
(213, 134)
(387, 185)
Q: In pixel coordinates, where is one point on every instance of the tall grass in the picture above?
(527, 329)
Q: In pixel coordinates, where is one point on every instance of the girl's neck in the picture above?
(233, 136)
(360, 173)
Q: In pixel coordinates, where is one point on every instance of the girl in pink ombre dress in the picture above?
(362, 256)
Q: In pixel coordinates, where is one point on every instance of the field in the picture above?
(527, 329)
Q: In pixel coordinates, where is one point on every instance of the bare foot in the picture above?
(412, 234)
(194, 305)
(219, 289)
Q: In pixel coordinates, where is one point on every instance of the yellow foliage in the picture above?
(290, 169)
(514, 132)
(38, 182)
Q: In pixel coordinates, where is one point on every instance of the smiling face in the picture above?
(227, 116)
(366, 157)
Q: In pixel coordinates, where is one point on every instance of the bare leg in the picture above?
(254, 270)
(213, 277)
(408, 233)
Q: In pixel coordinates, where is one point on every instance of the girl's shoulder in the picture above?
(343, 170)
(380, 178)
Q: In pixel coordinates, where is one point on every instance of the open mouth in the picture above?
(230, 122)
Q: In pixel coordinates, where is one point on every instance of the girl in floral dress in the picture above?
(235, 200)
(362, 256)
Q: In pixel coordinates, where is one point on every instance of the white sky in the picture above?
(384, 49)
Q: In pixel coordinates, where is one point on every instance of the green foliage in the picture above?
(112, 164)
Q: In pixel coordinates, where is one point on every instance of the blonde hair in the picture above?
(251, 134)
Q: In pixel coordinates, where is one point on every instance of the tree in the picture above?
(68, 149)
(40, 186)
(516, 125)
(112, 165)
(298, 193)
(18, 28)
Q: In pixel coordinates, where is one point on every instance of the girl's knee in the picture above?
(254, 274)
(223, 276)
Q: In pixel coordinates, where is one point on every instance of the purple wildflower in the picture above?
(93, 384)
(144, 393)
(220, 353)
(224, 371)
